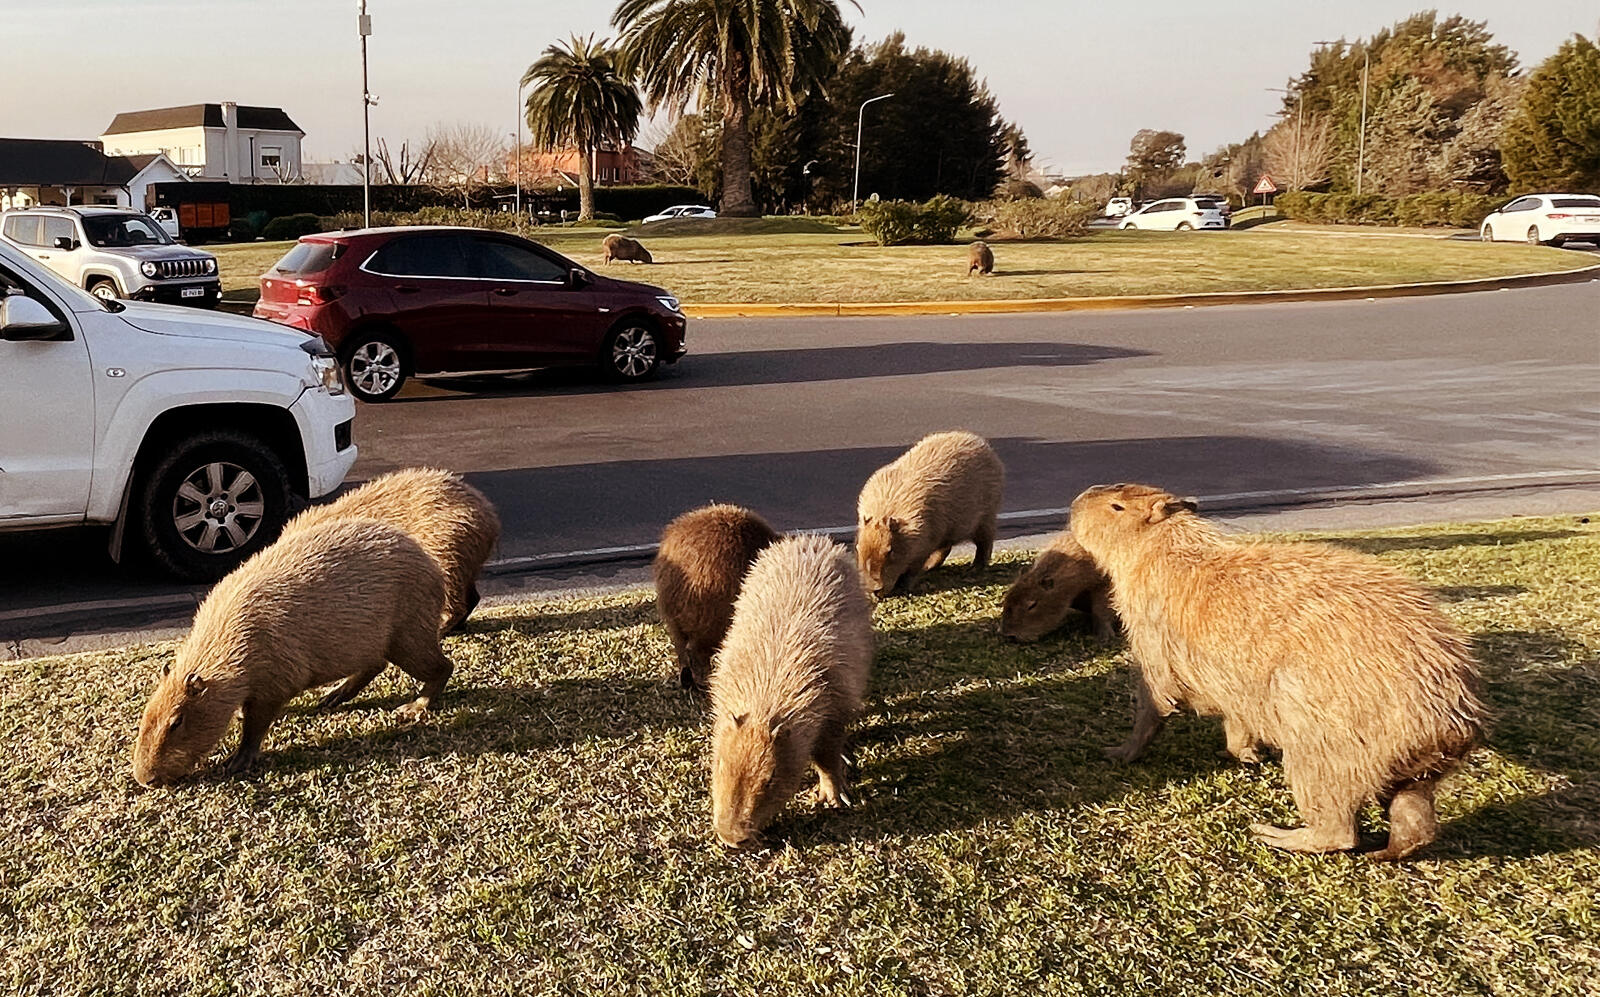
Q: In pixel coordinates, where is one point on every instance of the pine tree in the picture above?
(1553, 139)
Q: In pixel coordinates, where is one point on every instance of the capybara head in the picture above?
(1042, 597)
(756, 767)
(183, 721)
(1107, 515)
(642, 254)
(883, 550)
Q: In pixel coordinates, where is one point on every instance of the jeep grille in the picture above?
(166, 269)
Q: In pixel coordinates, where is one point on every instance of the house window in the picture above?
(271, 157)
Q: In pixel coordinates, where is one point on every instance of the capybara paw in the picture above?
(1299, 839)
(414, 710)
(1247, 756)
(835, 796)
(238, 764)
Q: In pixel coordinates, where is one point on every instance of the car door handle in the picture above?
(44, 256)
(407, 288)
(505, 292)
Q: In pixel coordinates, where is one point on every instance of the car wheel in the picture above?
(374, 366)
(1487, 235)
(1533, 235)
(105, 289)
(632, 352)
(1129, 226)
(212, 501)
(1185, 227)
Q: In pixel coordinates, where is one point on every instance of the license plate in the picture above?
(192, 292)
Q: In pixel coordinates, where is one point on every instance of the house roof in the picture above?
(58, 162)
(201, 115)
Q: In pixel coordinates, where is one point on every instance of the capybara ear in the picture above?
(740, 718)
(1168, 507)
(1047, 582)
(166, 669)
(194, 685)
(894, 524)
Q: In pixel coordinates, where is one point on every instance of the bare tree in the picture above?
(1299, 154)
(680, 151)
(407, 167)
(464, 153)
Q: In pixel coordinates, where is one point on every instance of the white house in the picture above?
(227, 141)
(67, 171)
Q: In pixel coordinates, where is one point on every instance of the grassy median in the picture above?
(547, 831)
(844, 267)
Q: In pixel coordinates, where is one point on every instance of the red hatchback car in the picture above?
(394, 302)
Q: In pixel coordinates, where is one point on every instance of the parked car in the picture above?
(683, 211)
(115, 253)
(1117, 207)
(196, 434)
(1218, 201)
(1551, 219)
(394, 302)
(1176, 214)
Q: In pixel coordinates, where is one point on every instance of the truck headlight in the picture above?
(670, 302)
(325, 372)
(147, 268)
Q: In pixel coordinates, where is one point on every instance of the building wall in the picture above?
(610, 166)
(206, 149)
(184, 146)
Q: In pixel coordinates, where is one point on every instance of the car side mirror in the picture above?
(578, 277)
(66, 242)
(22, 319)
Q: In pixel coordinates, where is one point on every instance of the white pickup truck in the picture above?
(197, 433)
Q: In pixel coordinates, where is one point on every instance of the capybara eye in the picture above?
(1033, 604)
(176, 722)
(1117, 506)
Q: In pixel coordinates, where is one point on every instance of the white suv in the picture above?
(197, 432)
(1551, 219)
(1177, 214)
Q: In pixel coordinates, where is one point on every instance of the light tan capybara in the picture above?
(452, 520)
(1062, 581)
(788, 682)
(980, 259)
(703, 557)
(321, 604)
(941, 492)
(620, 247)
(1330, 655)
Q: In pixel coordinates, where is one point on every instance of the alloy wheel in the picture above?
(633, 352)
(374, 367)
(218, 508)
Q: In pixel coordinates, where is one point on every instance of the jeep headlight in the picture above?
(148, 269)
(211, 265)
(670, 302)
(325, 372)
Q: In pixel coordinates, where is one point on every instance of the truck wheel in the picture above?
(374, 366)
(104, 288)
(214, 499)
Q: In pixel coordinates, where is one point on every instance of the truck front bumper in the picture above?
(326, 424)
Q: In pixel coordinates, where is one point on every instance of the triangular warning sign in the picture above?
(1265, 186)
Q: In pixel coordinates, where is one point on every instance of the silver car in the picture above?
(114, 253)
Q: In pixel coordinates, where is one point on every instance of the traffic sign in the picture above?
(1265, 186)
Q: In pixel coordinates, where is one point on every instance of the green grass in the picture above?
(547, 831)
(840, 266)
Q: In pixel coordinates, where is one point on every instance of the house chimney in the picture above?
(230, 142)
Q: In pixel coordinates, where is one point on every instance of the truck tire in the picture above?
(211, 501)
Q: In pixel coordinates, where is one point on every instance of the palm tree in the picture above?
(736, 55)
(580, 99)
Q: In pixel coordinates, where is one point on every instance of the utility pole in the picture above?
(1361, 140)
(364, 26)
(855, 193)
(521, 110)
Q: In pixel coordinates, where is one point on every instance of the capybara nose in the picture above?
(736, 842)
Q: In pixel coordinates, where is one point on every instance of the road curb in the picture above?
(1001, 306)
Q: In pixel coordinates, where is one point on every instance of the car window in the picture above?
(56, 227)
(23, 229)
(1522, 204)
(1163, 206)
(502, 260)
(1575, 202)
(309, 257)
(423, 256)
(123, 231)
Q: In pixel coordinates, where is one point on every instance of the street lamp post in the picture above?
(855, 192)
(364, 26)
(1361, 136)
(518, 152)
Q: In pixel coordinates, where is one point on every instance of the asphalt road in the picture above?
(790, 416)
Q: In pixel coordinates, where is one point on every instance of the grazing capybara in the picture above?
(452, 520)
(787, 684)
(980, 259)
(1061, 581)
(703, 557)
(1330, 655)
(942, 491)
(620, 247)
(323, 603)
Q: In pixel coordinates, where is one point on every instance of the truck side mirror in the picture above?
(66, 243)
(22, 319)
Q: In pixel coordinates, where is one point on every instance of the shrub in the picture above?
(897, 223)
(242, 230)
(288, 227)
(1438, 208)
(1042, 219)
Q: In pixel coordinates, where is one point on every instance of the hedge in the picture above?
(897, 223)
(1453, 209)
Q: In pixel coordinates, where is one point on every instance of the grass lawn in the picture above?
(841, 267)
(547, 831)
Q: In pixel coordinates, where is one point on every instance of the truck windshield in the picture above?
(123, 231)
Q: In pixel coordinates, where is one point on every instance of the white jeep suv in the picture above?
(195, 432)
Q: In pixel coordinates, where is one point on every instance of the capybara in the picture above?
(1330, 655)
(980, 259)
(452, 520)
(703, 557)
(1061, 581)
(942, 491)
(788, 682)
(323, 603)
(620, 247)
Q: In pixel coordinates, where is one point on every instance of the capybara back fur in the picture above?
(941, 492)
(788, 682)
(1337, 659)
(703, 557)
(620, 247)
(331, 601)
(980, 259)
(452, 520)
(1063, 581)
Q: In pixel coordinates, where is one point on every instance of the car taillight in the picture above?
(1553, 216)
(316, 294)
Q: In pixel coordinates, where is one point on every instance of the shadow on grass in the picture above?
(619, 617)
(1044, 273)
(1468, 593)
(1448, 541)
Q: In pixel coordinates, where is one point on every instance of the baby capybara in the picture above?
(1061, 582)
(788, 682)
(322, 604)
(980, 259)
(452, 520)
(620, 247)
(941, 492)
(703, 557)
(1330, 655)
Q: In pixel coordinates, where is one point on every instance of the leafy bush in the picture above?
(242, 229)
(1439, 208)
(291, 227)
(897, 223)
(1055, 218)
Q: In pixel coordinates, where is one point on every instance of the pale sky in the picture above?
(1080, 77)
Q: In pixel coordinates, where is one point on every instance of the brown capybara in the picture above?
(620, 247)
(1061, 582)
(980, 259)
(452, 520)
(1330, 655)
(788, 682)
(322, 604)
(942, 491)
(703, 557)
